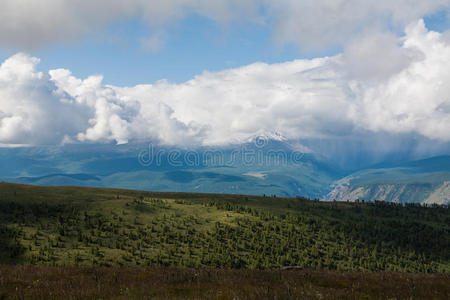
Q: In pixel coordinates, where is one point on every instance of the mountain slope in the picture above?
(422, 181)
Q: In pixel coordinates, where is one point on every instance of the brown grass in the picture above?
(37, 282)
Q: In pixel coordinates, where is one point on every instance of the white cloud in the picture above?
(415, 99)
(31, 110)
(380, 84)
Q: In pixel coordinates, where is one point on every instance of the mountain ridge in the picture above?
(262, 165)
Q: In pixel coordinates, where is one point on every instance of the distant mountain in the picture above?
(267, 164)
(264, 165)
(421, 181)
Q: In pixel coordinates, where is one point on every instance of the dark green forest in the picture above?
(73, 226)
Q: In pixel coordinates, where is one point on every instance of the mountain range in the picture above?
(267, 165)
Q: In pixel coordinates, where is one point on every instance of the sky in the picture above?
(197, 72)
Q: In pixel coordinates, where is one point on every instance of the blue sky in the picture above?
(190, 46)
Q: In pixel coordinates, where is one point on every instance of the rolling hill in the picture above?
(63, 226)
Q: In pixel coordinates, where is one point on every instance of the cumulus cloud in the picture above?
(415, 99)
(379, 85)
(32, 111)
(310, 24)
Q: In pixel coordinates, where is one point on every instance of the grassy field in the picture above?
(71, 226)
(19, 282)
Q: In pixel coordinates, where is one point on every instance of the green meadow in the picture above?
(73, 226)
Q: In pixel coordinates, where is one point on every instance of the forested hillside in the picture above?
(110, 227)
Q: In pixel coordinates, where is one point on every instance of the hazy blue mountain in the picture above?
(264, 165)
(259, 166)
(421, 181)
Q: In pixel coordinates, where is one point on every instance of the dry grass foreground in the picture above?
(38, 282)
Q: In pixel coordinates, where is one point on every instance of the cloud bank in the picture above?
(379, 84)
(310, 24)
(315, 24)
